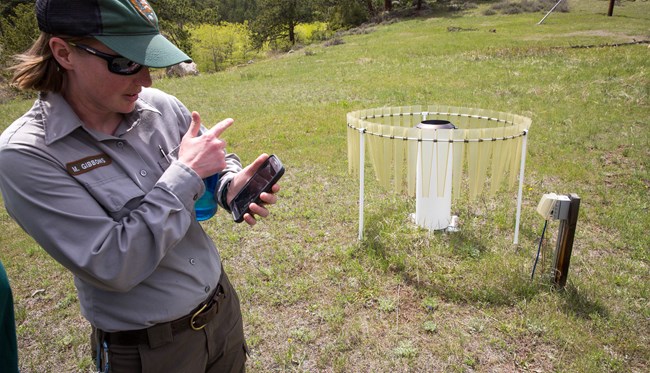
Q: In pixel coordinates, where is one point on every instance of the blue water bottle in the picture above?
(206, 206)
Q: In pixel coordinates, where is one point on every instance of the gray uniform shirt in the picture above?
(113, 209)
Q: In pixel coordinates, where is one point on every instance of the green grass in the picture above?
(404, 299)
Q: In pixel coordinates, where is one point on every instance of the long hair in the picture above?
(37, 69)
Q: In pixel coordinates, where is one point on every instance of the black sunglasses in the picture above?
(116, 64)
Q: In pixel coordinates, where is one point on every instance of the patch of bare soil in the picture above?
(621, 37)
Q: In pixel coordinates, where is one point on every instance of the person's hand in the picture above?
(205, 154)
(238, 183)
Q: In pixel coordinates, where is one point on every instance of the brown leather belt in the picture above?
(160, 334)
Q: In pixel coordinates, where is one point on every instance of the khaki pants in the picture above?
(218, 347)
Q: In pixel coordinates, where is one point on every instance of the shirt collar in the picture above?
(59, 120)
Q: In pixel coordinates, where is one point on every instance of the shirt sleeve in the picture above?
(233, 166)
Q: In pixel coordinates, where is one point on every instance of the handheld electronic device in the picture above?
(266, 176)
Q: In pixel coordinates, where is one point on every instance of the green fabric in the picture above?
(130, 28)
(8, 346)
(124, 17)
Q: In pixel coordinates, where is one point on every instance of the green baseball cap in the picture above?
(129, 27)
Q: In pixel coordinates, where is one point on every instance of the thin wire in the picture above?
(539, 247)
(523, 133)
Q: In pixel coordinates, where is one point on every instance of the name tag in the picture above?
(88, 164)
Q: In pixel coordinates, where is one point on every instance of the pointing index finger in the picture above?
(220, 127)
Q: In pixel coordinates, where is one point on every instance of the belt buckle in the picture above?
(197, 328)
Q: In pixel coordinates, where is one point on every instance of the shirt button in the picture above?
(120, 144)
(143, 172)
(192, 261)
(207, 289)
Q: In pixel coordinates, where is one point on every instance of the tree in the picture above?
(277, 19)
(7, 6)
(221, 46)
(237, 11)
(19, 31)
(208, 11)
(175, 17)
(344, 13)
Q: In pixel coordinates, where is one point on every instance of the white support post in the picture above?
(549, 12)
(521, 185)
(362, 157)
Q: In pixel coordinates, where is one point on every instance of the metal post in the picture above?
(550, 11)
(564, 247)
(362, 157)
(521, 185)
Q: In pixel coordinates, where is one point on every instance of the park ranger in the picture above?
(103, 172)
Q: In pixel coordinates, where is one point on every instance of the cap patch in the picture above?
(84, 165)
(145, 10)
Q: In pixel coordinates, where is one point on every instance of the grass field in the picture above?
(404, 299)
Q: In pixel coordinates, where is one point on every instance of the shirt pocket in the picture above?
(115, 193)
(167, 158)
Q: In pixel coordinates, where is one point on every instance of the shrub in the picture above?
(333, 42)
(307, 33)
(217, 47)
